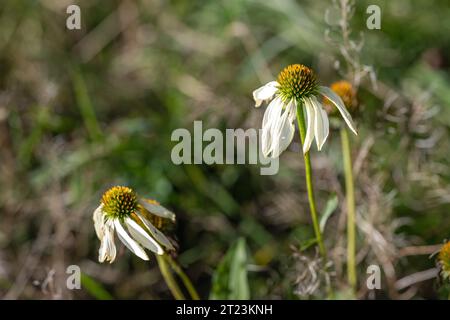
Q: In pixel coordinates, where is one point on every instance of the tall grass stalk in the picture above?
(351, 212)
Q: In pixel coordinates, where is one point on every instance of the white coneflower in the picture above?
(296, 86)
(133, 219)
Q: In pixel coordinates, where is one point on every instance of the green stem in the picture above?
(170, 281)
(186, 281)
(350, 195)
(309, 184)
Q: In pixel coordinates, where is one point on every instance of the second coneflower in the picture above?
(123, 212)
(137, 222)
(295, 87)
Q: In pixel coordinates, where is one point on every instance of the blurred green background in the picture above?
(83, 110)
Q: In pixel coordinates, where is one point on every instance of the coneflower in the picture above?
(296, 88)
(121, 211)
(295, 92)
(137, 222)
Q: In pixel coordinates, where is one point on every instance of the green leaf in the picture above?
(238, 273)
(94, 288)
(230, 278)
(86, 107)
(330, 207)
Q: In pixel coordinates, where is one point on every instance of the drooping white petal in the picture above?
(129, 242)
(158, 235)
(310, 120)
(107, 251)
(265, 92)
(157, 209)
(321, 125)
(142, 237)
(99, 221)
(284, 130)
(272, 116)
(337, 101)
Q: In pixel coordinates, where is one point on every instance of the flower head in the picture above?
(295, 87)
(346, 92)
(134, 220)
(296, 82)
(444, 260)
(119, 202)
